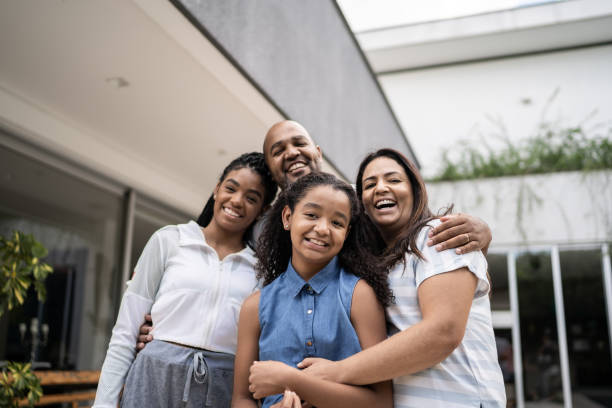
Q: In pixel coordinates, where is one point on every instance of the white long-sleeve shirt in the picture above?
(193, 297)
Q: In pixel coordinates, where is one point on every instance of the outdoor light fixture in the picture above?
(117, 82)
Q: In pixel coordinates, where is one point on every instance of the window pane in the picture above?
(540, 348)
(80, 225)
(498, 270)
(505, 355)
(587, 328)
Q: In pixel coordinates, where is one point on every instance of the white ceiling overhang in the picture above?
(182, 113)
(539, 28)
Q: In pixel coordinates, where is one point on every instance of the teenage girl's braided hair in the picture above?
(254, 161)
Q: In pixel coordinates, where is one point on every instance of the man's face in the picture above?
(290, 153)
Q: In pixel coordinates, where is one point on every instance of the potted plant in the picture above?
(20, 267)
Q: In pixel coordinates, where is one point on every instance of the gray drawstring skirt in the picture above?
(168, 375)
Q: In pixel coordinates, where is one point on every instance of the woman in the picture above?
(441, 352)
(192, 278)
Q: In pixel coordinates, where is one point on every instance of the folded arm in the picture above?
(445, 302)
(367, 316)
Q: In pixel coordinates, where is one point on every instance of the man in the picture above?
(291, 153)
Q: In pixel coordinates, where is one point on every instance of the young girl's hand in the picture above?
(269, 378)
(290, 400)
(321, 368)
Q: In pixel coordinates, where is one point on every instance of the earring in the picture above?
(215, 197)
(287, 227)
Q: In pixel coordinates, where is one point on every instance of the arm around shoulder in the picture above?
(368, 319)
(445, 302)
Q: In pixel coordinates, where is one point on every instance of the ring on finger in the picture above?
(467, 235)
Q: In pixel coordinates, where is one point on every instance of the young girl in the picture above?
(322, 297)
(192, 279)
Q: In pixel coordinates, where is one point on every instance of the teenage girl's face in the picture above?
(387, 195)
(238, 200)
(318, 226)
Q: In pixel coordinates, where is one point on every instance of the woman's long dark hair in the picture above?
(254, 161)
(274, 245)
(419, 216)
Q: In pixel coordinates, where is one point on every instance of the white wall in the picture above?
(562, 208)
(438, 107)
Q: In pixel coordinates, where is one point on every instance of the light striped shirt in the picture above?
(470, 376)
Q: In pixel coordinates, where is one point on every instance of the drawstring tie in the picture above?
(199, 370)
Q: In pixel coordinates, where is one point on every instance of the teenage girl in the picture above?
(192, 278)
(323, 296)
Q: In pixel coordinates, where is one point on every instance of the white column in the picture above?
(561, 332)
(128, 234)
(607, 280)
(516, 331)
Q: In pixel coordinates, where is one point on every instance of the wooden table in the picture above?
(55, 378)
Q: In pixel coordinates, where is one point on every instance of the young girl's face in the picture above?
(238, 200)
(318, 226)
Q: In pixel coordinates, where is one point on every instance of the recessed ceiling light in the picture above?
(117, 82)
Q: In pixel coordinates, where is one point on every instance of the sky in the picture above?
(364, 15)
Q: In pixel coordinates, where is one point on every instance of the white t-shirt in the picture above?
(470, 376)
(193, 297)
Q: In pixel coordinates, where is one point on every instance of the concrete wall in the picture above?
(304, 57)
(562, 208)
(439, 107)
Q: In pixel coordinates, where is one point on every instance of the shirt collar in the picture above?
(318, 282)
(192, 234)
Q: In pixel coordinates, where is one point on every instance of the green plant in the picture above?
(17, 384)
(21, 266)
(550, 150)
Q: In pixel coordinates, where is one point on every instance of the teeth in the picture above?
(317, 242)
(384, 202)
(231, 212)
(296, 166)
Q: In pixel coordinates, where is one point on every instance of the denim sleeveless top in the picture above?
(300, 319)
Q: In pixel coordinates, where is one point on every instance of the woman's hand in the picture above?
(320, 368)
(461, 231)
(269, 378)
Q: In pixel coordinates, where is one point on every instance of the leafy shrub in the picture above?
(20, 267)
(19, 383)
(551, 150)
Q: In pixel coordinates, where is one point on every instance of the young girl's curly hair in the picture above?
(274, 245)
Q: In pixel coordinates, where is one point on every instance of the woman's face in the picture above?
(238, 200)
(387, 196)
(318, 226)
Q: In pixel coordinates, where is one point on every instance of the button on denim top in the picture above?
(300, 319)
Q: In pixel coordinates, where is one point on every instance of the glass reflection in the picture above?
(80, 225)
(587, 329)
(498, 269)
(541, 367)
(505, 355)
